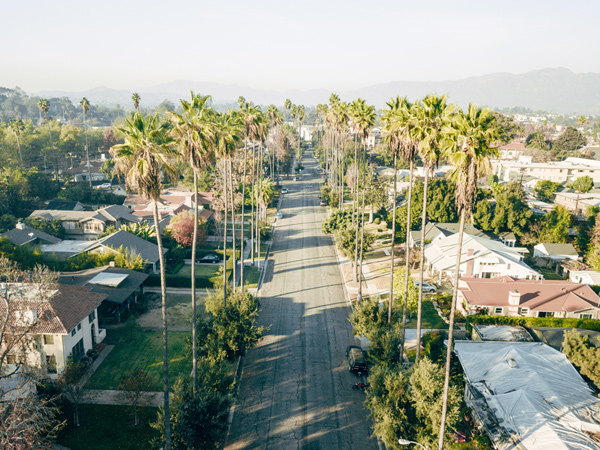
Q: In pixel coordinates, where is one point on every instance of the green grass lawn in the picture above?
(429, 317)
(107, 427)
(251, 276)
(206, 271)
(141, 349)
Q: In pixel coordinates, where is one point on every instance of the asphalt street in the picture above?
(295, 390)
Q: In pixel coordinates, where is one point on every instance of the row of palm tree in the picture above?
(200, 137)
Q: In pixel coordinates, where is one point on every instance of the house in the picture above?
(511, 151)
(122, 288)
(581, 202)
(480, 258)
(435, 231)
(555, 252)
(135, 244)
(528, 396)
(513, 333)
(589, 277)
(508, 296)
(24, 235)
(88, 224)
(557, 171)
(66, 324)
(64, 205)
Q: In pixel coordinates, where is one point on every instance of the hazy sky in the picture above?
(282, 44)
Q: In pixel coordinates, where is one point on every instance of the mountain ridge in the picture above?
(554, 90)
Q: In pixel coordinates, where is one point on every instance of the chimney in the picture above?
(20, 225)
(470, 253)
(514, 298)
(111, 264)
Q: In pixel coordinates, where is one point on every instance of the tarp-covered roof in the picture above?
(535, 393)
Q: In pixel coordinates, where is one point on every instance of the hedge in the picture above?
(185, 282)
(552, 322)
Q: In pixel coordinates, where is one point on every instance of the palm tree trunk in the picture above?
(234, 256)
(225, 233)
(421, 264)
(407, 258)
(362, 227)
(461, 230)
(20, 154)
(243, 226)
(355, 205)
(392, 244)
(87, 150)
(163, 294)
(193, 285)
(252, 203)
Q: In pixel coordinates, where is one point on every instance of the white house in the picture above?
(480, 258)
(555, 252)
(588, 277)
(65, 324)
(557, 171)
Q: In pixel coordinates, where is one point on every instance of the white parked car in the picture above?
(284, 191)
(278, 215)
(427, 287)
(104, 186)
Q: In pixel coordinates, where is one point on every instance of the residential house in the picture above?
(64, 205)
(122, 287)
(528, 396)
(66, 324)
(511, 151)
(24, 235)
(555, 252)
(512, 333)
(581, 202)
(508, 296)
(88, 225)
(135, 244)
(589, 277)
(435, 231)
(480, 258)
(557, 171)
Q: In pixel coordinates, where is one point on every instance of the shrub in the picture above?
(554, 322)
(377, 221)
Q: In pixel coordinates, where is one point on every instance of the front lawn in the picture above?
(430, 319)
(251, 276)
(141, 348)
(108, 427)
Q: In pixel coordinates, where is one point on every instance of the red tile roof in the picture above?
(537, 295)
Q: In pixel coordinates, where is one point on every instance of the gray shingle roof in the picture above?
(25, 235)
(135, 244)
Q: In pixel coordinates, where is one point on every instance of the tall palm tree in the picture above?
(228, 132)
(17, 126)
(287, 105)
(364, 120)
(194, 132)
(431, 113)
(85, 105)
(144, 158)
(136, 101)
(466, 145)
(44, 107)
(398, 125)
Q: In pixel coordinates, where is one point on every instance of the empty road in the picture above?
(295, 390)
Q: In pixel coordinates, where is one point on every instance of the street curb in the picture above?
(236, 377)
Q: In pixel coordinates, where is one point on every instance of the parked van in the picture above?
(357, 362)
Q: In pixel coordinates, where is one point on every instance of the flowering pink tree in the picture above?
(181, 228)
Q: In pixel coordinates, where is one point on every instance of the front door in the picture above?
(93, 335)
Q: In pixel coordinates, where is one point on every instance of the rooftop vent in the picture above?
(512, 363)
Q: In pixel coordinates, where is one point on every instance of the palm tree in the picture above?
(44, 107)
(287, 104)
(143, 159)
(194, 132)
(364, 119)
(85, 105)
(466, 145)
(17, 126)
(228, 129)
(431, 113)
(136, 101)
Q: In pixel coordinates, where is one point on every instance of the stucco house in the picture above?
(65, 324)
(507, 296)
(589, 277)
(555, 252)
(480, 258)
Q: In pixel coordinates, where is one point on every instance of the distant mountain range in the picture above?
(553, 90)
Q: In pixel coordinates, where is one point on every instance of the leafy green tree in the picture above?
(508, 129)
(441, 206)
(483, 215)
(568, 142)
(555, 226)
(134, 387)
(385, 345)
(583, 355)
(368, 317)
(53, 227)
(346, 240)
(582, 185)
(401, 287)
(537, 140)
(545, 189)
(593, 255)
(511, 212)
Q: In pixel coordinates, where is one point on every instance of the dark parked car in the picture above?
(208, 259)
(357, 363)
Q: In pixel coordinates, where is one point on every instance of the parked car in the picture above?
(208, 259)
(357, 362)
(322, 203)
(427, 287)
(104, 186)
(278, 215)
(284, 191)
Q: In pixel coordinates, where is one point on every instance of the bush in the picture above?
(554, 322)
(433, 344)
(377, 221)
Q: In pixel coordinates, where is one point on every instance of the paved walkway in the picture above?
(113, 397)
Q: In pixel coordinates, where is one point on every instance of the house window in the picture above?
(78, 349)
(78, 326)
(74, 332)
(92, 316)
(10, 359)
(585, 316)
(523, 311)
(546, 314)
(498, 310)
(48, 339)
(51, 363)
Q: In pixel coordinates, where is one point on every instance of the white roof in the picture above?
(593, 275)
(67, 246)
(108, 279)
(535, 393)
